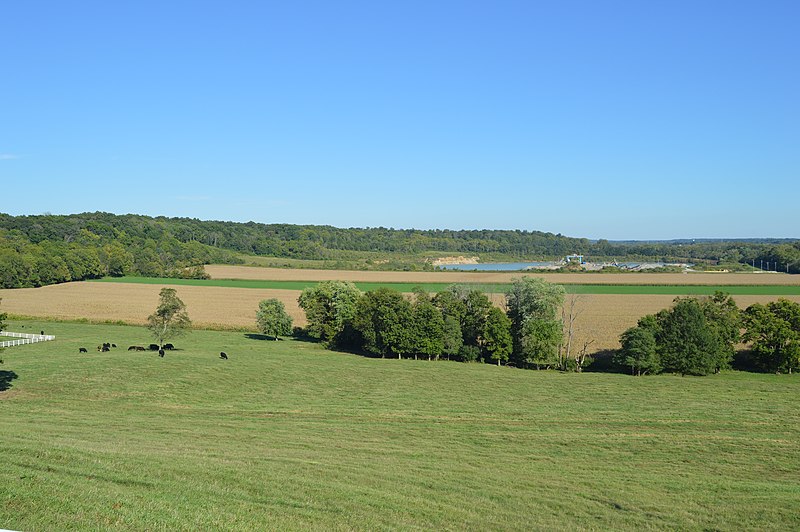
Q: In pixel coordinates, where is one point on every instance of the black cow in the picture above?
(169, 347)
(41, 332)
(105, 349)
(154, 347)
(82, 350)
(113, 345)
(140, 348)
(106, 346)
(161, 353)
(223, 355)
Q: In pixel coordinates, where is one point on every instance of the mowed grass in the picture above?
(490, 288)
(286, 435)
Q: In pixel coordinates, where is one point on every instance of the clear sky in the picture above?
(601, 119)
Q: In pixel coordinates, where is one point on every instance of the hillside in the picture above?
(46, 249)
(285, 435)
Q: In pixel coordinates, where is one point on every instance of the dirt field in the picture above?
(279, 274)
(603, 317)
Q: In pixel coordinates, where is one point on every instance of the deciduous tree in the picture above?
(170, 319)
(451, 337)
(774, 331)
(469, 306)
(330, 308)
(686, 344)
(384, 319)
(533, 305)
(428, 329)
(497, 335)
(272, 318)
(638, 351)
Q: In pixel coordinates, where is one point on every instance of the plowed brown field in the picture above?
(603, 317)
(279, 274)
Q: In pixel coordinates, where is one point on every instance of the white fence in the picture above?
(25, 338)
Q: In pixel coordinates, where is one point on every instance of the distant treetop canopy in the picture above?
(46, 249)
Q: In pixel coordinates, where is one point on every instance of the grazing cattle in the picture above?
(82, 350)
(132, 348)
(106, 346)
(154, 347)
(161, 353)
(223, 355)
(169, 346)
(140, 348)
(105, 349)
(113, 345)
(41, 332)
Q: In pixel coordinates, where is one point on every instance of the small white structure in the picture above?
(24, 338)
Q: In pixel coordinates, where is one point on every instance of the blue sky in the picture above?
(601, 119)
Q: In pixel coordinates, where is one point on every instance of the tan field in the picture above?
(217, 271)
(603, 319)
(208, 306)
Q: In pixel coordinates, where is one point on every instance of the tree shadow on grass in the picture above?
(5, 379)
(603, 362)
(745, 360)
(254, 336)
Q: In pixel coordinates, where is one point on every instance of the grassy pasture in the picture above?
(489, 288)
(285, 435)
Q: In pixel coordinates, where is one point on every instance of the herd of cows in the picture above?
(107, 346)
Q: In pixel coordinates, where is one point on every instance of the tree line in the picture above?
(332, 243)
(85, 254)
(696, 336)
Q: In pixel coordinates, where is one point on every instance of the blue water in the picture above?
(495, 266)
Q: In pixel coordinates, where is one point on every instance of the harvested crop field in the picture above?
(603, 318)
(208, 307)
(278, 274)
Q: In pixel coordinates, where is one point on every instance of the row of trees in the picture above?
(698, 337)
(459, 323)
(774, 332)
(783, 258)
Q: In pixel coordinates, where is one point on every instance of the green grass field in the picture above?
(756, 290)
(286, 435)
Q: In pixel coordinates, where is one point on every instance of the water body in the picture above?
(496, 266)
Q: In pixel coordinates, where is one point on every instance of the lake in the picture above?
(496, 266)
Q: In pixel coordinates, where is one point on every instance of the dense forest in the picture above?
(45, 249)
(42, 250)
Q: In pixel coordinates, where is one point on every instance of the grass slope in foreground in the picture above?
(490, 288)
(285, 435)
